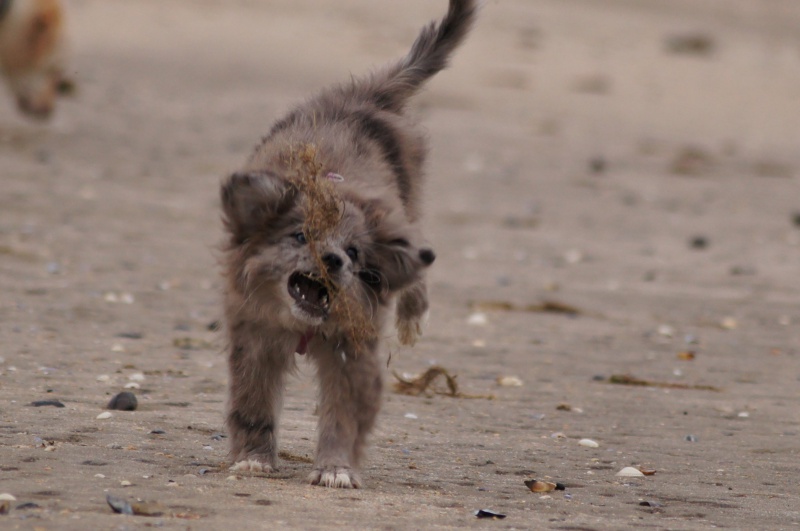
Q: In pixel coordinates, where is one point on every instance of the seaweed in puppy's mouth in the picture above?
(310, 294)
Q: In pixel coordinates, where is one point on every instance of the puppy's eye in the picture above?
(300, 238)
(352, 252)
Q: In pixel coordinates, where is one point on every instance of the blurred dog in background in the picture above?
(32, 53)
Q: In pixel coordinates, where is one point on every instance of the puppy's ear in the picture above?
(394, 258)
(252, 200)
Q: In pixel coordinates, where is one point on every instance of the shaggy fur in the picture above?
(31, 53)
(292, 290)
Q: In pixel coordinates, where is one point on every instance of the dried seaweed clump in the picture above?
(323, 211)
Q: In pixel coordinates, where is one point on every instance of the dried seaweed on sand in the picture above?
(426, 383)
(323, 211)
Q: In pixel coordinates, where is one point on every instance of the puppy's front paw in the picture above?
(252, 465)
(335, 476)
(409, 329)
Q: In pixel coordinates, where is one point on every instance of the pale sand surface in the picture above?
(574, 158)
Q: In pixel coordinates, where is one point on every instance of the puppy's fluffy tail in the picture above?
(430, 53)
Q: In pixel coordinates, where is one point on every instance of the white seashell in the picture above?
(588, 443)
(630, 472)
(125, 483)
(411, 416)
(104, 415)
(477, 319)
(99, 476)
(132, 385)
(103, 378)
(666, 331)
(509, 381)
(7, 497)
(136, 377)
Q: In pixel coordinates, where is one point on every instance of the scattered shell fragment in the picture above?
(729, 323)
(588, 443)
(486, 513)
(687, 355)
(132, 385)
(100, 476)
(103, 378)
(509, 381)
(411, 416)
(119, 505)
(650, 503)
(125, 483)
(646, 471)
(41, 403)
(7, 497)
(630, 472)
(137, 377)
(743, 414)
(104, 415)
(536, 485)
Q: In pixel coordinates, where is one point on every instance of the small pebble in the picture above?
(588, 443)
(743, 414)
(158, 432)
(103, 378)
(729, 323)
(124, 401)
(411, 416)
(698, 242)
(125, 483)
(137, 377)
(104, 415)
(100, 476)
(690, 438)
(630, 472)
(132, 385)
(574, 256)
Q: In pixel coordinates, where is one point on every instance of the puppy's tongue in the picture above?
(302, 345)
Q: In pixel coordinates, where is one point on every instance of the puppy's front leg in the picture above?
(256, 372)
(350, 390)
(412, 308)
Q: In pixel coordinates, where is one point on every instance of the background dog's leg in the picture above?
(350, 390)
(412, 307)
(256, 391)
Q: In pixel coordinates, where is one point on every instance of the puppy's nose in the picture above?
(333, 262)
(427, 256)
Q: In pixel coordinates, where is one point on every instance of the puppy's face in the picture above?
(298, 277)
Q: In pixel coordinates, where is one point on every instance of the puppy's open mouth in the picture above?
(309, 294)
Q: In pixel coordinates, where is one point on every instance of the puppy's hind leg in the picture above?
(256, 389)
(412, 310)
(350, 389)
